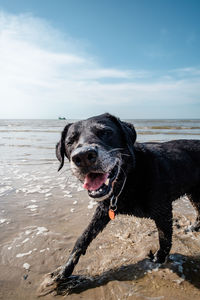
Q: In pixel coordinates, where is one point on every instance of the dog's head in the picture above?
(101, 152)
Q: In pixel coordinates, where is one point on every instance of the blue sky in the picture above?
(133, 58)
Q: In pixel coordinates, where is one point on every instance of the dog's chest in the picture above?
(131, 204)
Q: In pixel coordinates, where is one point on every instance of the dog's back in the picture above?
(171, 167)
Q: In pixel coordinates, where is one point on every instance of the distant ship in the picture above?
(61, 118)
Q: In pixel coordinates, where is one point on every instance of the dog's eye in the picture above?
(104, 133)
(70, 140)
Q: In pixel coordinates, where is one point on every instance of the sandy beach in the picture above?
(42, 213)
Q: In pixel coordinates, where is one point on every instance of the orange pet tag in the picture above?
(111, 214)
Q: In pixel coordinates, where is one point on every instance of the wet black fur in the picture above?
(157, 174)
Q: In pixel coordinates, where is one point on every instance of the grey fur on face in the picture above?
(104, 164)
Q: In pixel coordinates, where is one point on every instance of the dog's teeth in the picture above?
(107, 182)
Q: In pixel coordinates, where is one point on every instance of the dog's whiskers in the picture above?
(62, 172)
(115, 149)
(123, 171)
(125, 154)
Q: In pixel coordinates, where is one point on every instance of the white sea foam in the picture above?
(5, 189)
(26, 240)
(69, 196)
(91, 204)
(41, 230)
(23, 254)
(25, 174)
(80, 188)
(44, 191)
(33, 206)
(2, 221)
(26, 266)
(62, 186)
(73, 185)
(48, 194)
(42, 250)
(67, 192)
(27, 232)
(6, 178)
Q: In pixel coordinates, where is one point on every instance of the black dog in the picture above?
(125, 177)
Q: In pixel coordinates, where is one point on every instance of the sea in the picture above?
(32, 142)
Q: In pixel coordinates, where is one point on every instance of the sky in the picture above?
(137, 59)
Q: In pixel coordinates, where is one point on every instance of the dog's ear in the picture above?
(128, 130)
(60, 147)
(130, 135)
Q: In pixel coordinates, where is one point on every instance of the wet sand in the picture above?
(42, 213)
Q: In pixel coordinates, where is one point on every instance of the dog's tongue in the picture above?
(93, 181)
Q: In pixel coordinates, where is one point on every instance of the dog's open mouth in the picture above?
(100, 184)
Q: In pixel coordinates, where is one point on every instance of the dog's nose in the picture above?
(84, 156)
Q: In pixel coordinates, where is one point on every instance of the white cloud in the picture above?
(43, 74)
(187, 71)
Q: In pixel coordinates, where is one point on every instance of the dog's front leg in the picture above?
(97, 224)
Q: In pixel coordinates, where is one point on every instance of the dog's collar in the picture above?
(113, 202)
(112, 207)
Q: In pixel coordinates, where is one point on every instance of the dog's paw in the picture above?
(151, 255)
(56, 284)
(159, 257)
(50, 283)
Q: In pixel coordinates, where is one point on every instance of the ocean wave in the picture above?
(167, 133)
(30, 130)
(170, 127)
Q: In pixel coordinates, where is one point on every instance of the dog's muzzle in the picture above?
(99, 176)
(85, 156)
